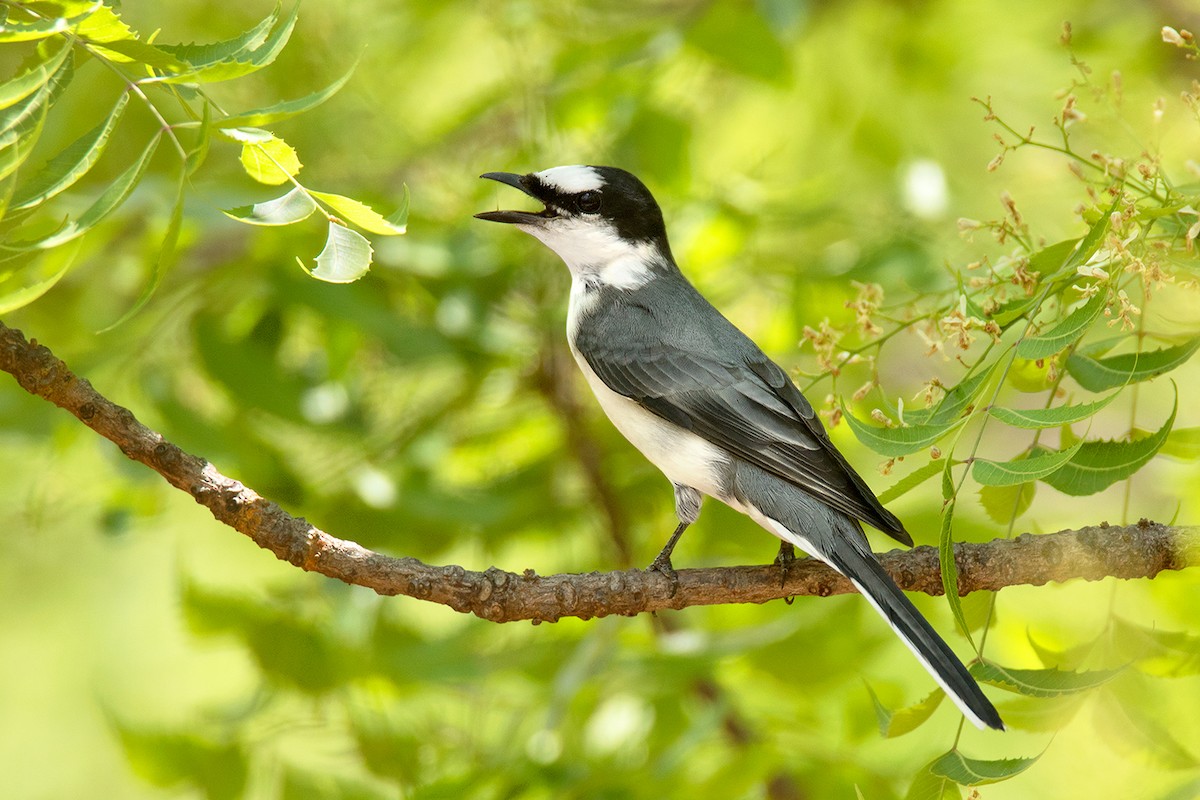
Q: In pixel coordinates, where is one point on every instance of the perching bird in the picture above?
(704, 404)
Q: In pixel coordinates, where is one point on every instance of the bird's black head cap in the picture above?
(603, 194)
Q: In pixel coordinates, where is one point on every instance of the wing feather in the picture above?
(738, 399)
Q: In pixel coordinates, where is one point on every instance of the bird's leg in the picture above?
(687, 508)
(784, 560)
(662, 561)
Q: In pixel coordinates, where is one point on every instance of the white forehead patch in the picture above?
(571, 180)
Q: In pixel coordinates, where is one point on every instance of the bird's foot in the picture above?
(662, 565)
(784, 560)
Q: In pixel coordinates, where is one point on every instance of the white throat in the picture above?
(594, 253)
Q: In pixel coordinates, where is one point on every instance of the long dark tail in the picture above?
(838, 540)
(935, 655)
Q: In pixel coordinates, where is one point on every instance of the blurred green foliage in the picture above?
(802, 154)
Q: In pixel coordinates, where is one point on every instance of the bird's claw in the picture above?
(662, 565)
(784, 560)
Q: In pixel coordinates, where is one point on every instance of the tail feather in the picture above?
(844, 548)
(838, 540)
(915, 631)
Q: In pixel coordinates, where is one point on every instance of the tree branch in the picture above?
(1135, 551)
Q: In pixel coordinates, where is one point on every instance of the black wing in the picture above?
(716, 383)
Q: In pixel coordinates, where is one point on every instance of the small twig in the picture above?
(1134, 551)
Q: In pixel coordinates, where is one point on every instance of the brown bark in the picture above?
(1134, 551)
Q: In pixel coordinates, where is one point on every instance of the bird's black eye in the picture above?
(588, 202)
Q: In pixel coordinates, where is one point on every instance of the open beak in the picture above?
(515, 217)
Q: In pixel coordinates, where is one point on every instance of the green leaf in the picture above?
(949, 567)
(21, 123)
(1098, 375)
(24, 114)
(927, 786)
(1065, 332)
(1060, 657)
(1042, 682)
(72, 162)
(102, 26)
(903, 720)
(1129, 729)
(1007, 313)
(346, 257)
(1041, 714)
(239, 47)
(976, 772)
(399, 217)
(955, 402)
(1098, 465)
(11, 31)
(53, 266)
(1038, 418)
(1091, 242)
(271, 162)
(893, 442)
(18, 143)
(33, 79)
(1183, 443)
(911, 481)
(286, 109)
(168, 759)
(166, 256)
(1052, 258)
(63, 8)
(292, 207)
(1003, 504)
(110, 38)
(244, 61)
(7, 183)
(199, 152)
(112, 197)
(321, 785)
(134, 51)
(1169, 654)
(1020, 470)
(358, 213)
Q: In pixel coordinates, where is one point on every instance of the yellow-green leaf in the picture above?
(272, 162)
(903, 720)
(359, 214)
